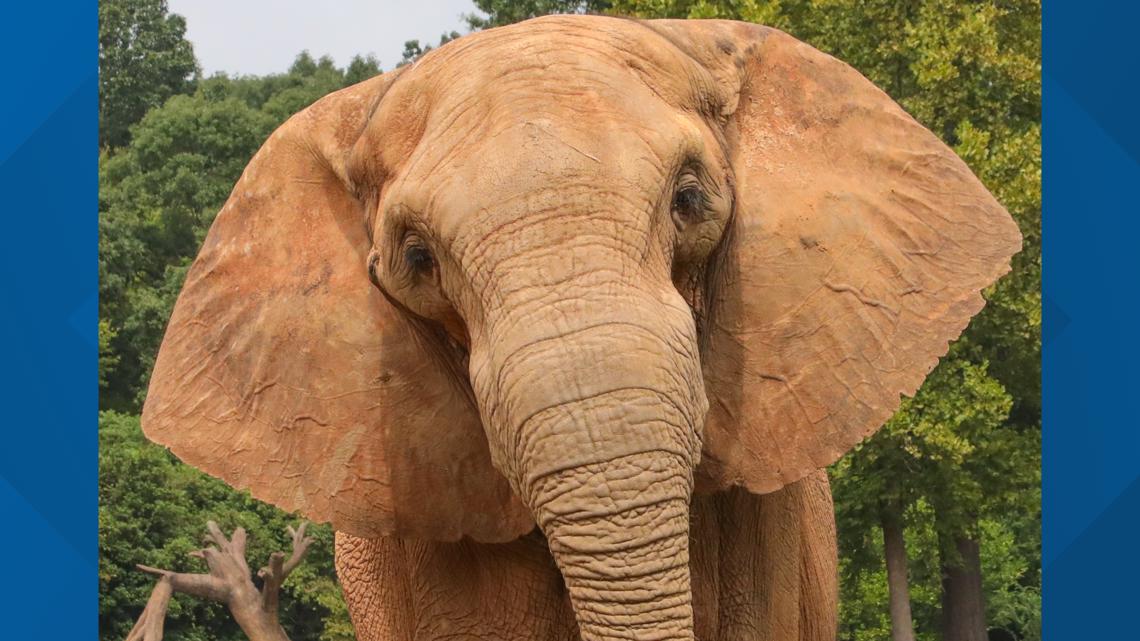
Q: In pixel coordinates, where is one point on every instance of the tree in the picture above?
(939, 449)
(361, 68)
(504, 12)
(413, 51)
(151, 512)
(310, 82)
(144, 59)
(898, 581)
(227, 581)
(107, 359)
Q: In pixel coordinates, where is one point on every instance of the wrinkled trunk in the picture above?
(894, 547)
(619, 531)
(963, 602)
(593, 395)
(608, 475)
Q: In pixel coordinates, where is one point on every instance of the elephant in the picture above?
(560, 325)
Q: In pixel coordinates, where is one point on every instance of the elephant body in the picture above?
(763, 568)
(563, 321)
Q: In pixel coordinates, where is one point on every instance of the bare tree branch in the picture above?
(301, 545)
(278, 569)
(149, 625)
(203, 586)
(228, 581)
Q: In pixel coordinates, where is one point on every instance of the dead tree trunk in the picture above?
(228, 582)
(963, 602)
(898, 585)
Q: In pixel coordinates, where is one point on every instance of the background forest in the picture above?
(938, 513)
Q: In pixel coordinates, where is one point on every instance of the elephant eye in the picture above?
(688, 205)
(418, 258)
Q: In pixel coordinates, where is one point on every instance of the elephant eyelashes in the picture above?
(688, 205)
(418, 258)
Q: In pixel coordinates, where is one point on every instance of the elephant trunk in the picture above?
(597, 427)
(619, 532)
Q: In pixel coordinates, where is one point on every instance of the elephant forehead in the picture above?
(585, 45)
(510, 111)
(543, 171)
(571, 67)
(540, 118)
(539, 163)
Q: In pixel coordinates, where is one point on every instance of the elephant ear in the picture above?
(284, 371)
(859, 248)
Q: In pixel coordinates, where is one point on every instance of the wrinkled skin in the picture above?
(762, 567)
(631, 283)
(558, 271)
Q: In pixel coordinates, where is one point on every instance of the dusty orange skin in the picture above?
(589, 274)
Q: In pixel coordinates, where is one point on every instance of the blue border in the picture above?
(48, 320)
(1091, 449)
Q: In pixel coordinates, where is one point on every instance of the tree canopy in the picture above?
(144, 59)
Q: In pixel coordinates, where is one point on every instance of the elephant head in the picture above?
(567, 273)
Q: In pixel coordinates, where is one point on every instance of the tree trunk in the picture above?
(894, 545)
(228, 581)
(963, 603)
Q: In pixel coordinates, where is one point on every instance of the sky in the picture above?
(264, 36)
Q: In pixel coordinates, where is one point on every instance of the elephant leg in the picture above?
(374, 577)
(819, 562)
(765, 567)
(412, 590)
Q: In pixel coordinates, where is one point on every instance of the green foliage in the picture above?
(1008, 331)
(153, 510)
(309, 82)
(143, 60)
(107, 359)
(361, 68)
(1011, 584)
(504, 12)
(413, 50)
(760, 11)
(1012, 577)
